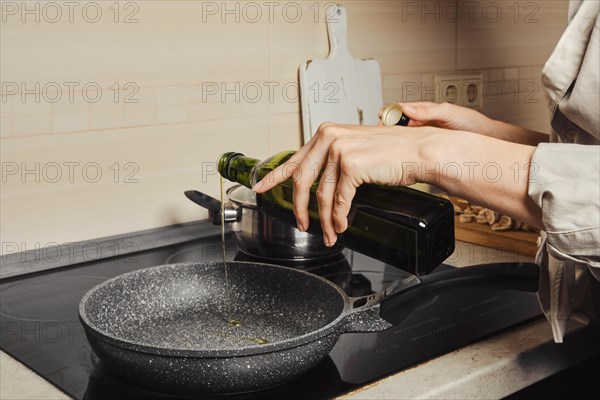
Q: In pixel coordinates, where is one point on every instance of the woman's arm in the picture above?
(485, 170)
(450, 116)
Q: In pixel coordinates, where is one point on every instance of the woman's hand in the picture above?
(486, 171)
(457, 118)
(350, 156)
(445, 115)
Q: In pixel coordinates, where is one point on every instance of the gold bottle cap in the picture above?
(392, 115)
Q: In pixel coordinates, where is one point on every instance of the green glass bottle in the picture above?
(400, 226)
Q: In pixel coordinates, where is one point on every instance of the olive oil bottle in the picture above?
(400, 226)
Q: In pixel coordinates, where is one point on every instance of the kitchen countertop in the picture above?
(490, 368)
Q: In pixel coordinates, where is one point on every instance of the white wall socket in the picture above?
(461, 89)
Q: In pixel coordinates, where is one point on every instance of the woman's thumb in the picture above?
(409, 111)
(423, 112)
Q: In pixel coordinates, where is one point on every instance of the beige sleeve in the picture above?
(565, 184)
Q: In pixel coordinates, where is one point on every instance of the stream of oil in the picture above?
(230, 321)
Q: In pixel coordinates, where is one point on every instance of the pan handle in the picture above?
(523, 277)
(213, 206)
(399, 300)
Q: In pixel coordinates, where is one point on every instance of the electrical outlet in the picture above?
(461, 89)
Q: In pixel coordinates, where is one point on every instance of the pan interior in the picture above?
(184, 306)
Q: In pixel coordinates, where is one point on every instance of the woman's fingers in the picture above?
(325, 197)
(289, 168)
(275, 177)
(428, 113)
(336, 150)
(343, 197)
(301, 196)
(419, 112)
(284, 171)
(306, 174)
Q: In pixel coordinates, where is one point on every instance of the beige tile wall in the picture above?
(161, 119)
(509, 42)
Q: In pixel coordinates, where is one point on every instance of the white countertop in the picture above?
(491, 368)
(19, 382)
(488, 369)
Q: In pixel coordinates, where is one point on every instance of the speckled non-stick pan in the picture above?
(166, 327)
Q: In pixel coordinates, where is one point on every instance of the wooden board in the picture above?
(339, 89)
(513, 241)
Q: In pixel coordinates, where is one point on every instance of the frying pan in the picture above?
(166, 327)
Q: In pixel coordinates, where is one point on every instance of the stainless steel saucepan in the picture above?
(258, 234)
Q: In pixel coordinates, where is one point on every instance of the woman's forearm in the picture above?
(484, 170)
(491, 172)
(456, 118)
(513, 133)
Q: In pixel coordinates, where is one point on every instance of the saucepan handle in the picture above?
(213, 206)
(391, 307)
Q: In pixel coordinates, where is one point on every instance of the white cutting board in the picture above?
(339, 89)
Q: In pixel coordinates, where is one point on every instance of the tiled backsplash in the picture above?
(153, 91)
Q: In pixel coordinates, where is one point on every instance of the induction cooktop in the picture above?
(40, 326)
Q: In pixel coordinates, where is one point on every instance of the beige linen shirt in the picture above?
(565, 182)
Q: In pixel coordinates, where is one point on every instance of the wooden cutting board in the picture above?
(513, 241)
(340, 88)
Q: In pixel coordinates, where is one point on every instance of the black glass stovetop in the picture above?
(40, 326)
